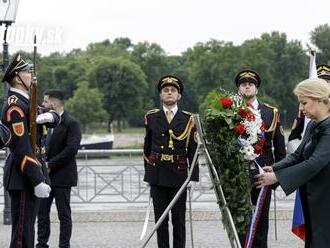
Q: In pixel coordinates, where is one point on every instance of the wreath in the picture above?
(235, 134)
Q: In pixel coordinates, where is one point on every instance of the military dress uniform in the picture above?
(169, 148)
(273, 151)
(23, 171)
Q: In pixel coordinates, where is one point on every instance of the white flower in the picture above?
(251, 136)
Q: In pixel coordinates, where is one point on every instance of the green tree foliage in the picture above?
(87, 105)
(123, 84)
(153, 62)
(123, 70)
(320, 37)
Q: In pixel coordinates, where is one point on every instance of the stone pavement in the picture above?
(121, 229)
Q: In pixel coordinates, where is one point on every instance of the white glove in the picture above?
(45, 118)
(42, 190)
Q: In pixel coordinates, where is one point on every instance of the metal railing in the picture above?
(116, 176)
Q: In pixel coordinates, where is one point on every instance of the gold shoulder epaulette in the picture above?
(152, 111)
(186, 112)
(149, 113)
(12, 100)
(270, 106)
(276, 118)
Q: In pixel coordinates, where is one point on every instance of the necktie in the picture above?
(169, 116)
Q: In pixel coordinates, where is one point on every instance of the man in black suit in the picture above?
(62, 144)
(169, 148)
(248, 82)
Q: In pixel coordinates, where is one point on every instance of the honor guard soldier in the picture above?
(24, 171)
(248, 82)
(169, 147)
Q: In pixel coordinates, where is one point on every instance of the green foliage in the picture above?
(204, 67)
(320, 37)
(123, 84)
(86, 105)
(229, 162)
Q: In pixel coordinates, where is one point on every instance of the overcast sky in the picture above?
(176, 25)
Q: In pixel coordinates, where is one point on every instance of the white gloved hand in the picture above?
(42, 190)
(45, 118)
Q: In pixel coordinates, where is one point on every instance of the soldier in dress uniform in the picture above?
(24, 171)
(248, 82)
(169, 147)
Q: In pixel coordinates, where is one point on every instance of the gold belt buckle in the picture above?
(166, 157)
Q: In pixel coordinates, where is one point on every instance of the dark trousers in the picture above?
(62, 201)
(261, 235)
(24, 208)
(162, 197)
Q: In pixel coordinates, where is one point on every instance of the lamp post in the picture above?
(8, 11)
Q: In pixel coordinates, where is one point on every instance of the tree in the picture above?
(124, 85)
(320, 37)
(86, 105)
(153, 61)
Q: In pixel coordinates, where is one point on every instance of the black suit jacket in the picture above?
(308, 169)
(61, 152)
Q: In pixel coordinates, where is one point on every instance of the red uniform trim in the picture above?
(16, 109)
(21, 217)
(25, 159)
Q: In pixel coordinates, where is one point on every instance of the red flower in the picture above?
(250, 117)
(226, 102)
(240, 129)
(258, 147)
(242, 113)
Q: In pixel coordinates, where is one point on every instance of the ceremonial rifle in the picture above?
(33, 100)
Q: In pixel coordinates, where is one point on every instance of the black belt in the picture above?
(174, 158)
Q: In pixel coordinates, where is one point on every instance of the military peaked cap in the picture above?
(172, 81)
(323, 71)
(247, 76)
(17, 65)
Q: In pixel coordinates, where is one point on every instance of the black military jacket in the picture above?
(297, 127)
(274, 136)
(161, 168)
(24, 168)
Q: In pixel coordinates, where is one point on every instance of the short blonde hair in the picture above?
(315, 88)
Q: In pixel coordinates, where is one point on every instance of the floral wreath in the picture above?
(235, 133)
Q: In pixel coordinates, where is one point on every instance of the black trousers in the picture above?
(62, 201)
(24, 208)
(261, 235)
(162, 197)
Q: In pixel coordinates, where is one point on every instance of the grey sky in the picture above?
(173, 24)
